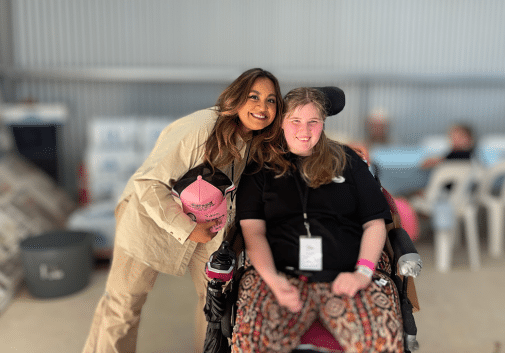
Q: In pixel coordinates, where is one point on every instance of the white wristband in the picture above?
(364, 270)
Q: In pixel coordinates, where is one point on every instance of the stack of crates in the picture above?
(116, 148)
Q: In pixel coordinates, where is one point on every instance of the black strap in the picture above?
(304, 196)
(234, 192)
(233, 232)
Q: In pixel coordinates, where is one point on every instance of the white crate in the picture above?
(109, 171)
(97, 218)
(113, 133)
(149, 131)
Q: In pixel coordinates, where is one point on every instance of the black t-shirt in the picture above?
(336, 211)
(459, 154)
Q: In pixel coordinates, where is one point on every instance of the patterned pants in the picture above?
(368, 322)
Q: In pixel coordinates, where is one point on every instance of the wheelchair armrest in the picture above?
(406, 256)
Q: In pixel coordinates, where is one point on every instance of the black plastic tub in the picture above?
(57, 263)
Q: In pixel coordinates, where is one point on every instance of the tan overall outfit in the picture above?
(152, 235)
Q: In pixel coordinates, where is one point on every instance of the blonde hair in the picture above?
(328, 158)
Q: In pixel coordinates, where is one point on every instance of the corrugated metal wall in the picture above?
(428, 63)
(387, 36)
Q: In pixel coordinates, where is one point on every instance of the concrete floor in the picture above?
(461, 311)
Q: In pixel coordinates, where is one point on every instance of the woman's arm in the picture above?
(372, 244)
(431, 162)
(180, 147)
(373, 240)
(260, 254)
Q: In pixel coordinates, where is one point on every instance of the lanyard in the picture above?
(234, 192)
(304, 196)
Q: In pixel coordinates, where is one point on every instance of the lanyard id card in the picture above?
(311, 253)
(311, 246)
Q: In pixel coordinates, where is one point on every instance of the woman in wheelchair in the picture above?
(313, 222)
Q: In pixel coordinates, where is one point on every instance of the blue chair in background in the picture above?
(399, 169)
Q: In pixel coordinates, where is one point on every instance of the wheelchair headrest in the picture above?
(336, 99)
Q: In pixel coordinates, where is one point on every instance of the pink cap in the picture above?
(203, 195)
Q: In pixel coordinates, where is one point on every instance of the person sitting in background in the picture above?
(313, 221)
(377, 128)
(462, 145)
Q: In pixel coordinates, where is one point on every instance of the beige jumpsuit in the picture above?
(152, 236)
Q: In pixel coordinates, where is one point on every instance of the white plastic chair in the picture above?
(462, 176)
(493, 199)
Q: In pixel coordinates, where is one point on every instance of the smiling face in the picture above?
(260, 107)
(302, 129)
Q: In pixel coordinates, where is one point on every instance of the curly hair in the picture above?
(221, 146)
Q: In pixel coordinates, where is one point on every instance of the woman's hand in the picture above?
(286, 294)
(361, 150)
(372, 243)
(349, 283)
(202, 232)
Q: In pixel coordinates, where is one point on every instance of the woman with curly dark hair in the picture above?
(153, 234)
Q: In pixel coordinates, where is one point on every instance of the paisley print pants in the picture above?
(368, 322)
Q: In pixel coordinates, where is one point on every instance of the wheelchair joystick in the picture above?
(221, 263)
